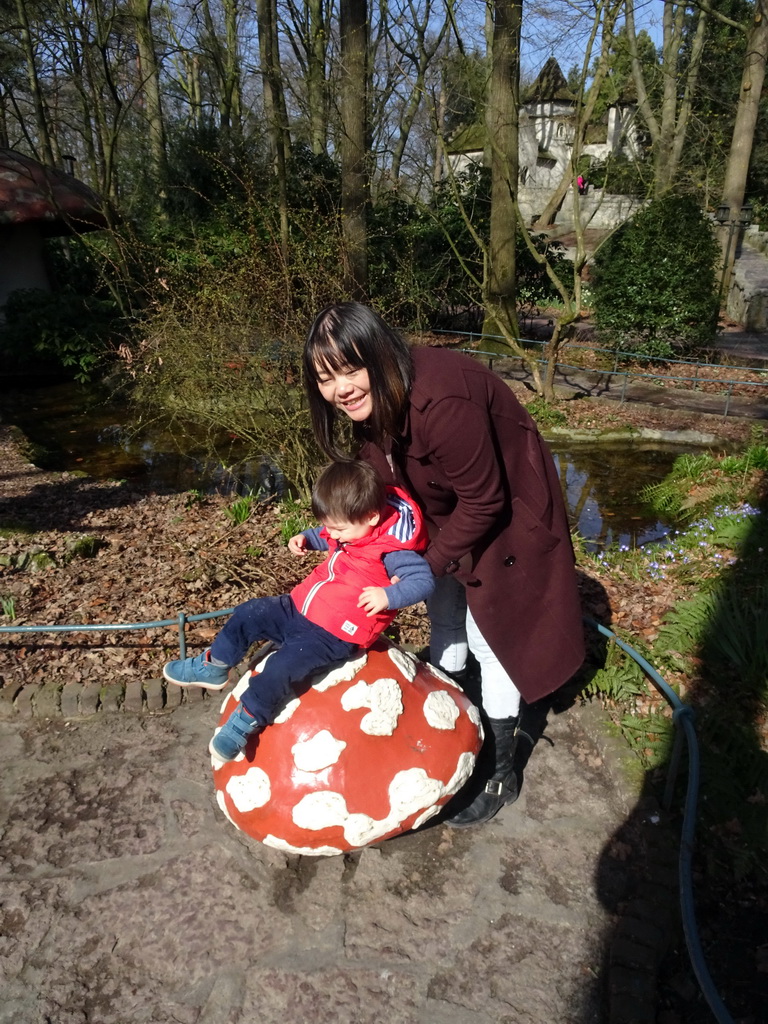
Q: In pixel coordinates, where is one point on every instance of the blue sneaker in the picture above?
(197, 672)
(231, 739)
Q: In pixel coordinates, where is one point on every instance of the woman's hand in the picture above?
(298, 545)
(373, 600)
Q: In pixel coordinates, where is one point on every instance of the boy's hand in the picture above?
(373, 600)
(298, 545)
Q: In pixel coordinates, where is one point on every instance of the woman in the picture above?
(452, 433)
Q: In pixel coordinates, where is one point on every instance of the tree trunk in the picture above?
(668, 129)
(108, 106)
(226, 64)
(354, 135)
(274, 109)
(440, 154)
(502, 131)
(740, 152)
(150, 87)
(38, 101)
(232, 82)
(317, 83)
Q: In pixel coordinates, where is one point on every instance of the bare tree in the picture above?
(354, 148)
(149, 85)
(747, 109)
(502, 113)
(274, 108)
(604, 18)
(308, 31)
(44, 141)
(668, 125)
(417, 50)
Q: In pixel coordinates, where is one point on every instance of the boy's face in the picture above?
(343, 531)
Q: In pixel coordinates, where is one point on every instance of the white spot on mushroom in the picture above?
(327, 809)
(341, 674)
(412, 790)
(320, 810)
(440, 710)
(360, 829)
(225, 810)
(249, 791)
(288, 710)
(474, 716)
(464, 768)
(308, 851)
(442, 676)
(429, 813)
(384, 698)
(320, 752)
(405, 662)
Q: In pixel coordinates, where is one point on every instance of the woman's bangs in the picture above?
(331, 355)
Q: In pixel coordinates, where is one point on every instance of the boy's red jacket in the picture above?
(329, 594)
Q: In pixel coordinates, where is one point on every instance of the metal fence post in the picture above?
(182, 636)
(728, 401)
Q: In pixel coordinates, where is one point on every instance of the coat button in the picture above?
(435, 484)
(510, 560)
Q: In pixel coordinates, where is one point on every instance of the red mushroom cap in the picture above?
(371, 749)
(30, 192)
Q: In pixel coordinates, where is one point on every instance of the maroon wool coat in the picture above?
(473, 458)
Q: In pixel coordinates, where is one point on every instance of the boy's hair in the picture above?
(348, 491)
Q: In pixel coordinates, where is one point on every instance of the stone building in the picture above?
(546, 134)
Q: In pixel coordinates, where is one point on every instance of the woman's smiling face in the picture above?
(347, 389)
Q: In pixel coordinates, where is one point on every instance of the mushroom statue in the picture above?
(365, 751)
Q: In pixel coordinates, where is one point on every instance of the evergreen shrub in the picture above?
(654, 281)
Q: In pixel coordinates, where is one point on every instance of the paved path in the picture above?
(127, 898)
(617, 387)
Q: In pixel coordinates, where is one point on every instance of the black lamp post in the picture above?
(723, 218)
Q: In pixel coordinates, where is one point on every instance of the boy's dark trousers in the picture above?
(303, 648)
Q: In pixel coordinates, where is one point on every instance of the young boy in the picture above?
(374, 535)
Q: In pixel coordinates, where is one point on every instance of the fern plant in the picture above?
(703, 481)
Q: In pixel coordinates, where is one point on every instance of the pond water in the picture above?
(79, 429)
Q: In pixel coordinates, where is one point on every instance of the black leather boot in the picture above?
(501, 787)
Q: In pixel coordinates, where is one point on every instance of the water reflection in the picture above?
(602, 484)
(76, 428)
(85, 430)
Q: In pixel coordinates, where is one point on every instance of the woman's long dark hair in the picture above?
(351, 335)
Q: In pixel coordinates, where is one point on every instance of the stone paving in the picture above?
(126, 897)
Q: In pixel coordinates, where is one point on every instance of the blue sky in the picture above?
(560, 28)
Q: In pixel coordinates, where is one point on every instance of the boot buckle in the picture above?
(494, 787)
